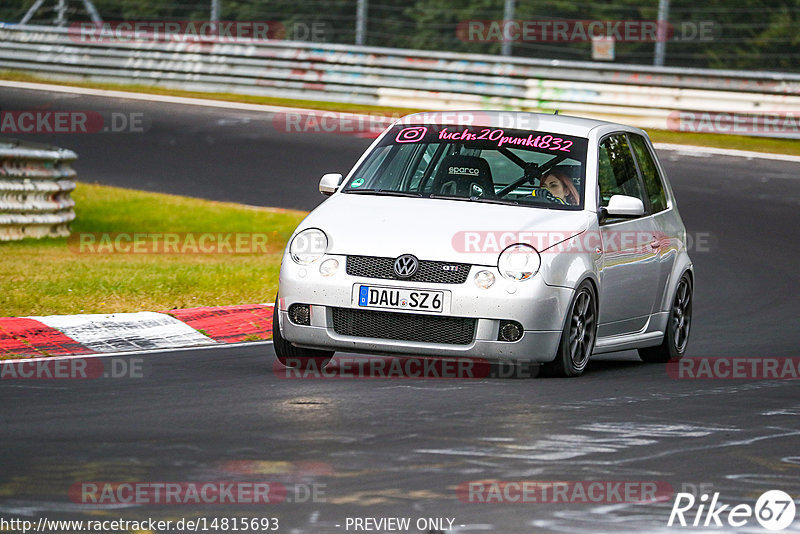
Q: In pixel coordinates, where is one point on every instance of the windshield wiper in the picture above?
(495, 201)
(484, 200)
(384, 192)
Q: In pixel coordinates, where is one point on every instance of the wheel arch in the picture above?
(593, 283)
(680, 269)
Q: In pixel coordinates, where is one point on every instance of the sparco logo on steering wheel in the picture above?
(405, 266)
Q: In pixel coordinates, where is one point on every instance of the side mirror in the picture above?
(624, 206)
(330, 183)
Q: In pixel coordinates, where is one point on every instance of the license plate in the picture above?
(400, 299)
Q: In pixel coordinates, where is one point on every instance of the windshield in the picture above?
(476, 163)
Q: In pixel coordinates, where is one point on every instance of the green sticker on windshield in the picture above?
(358, 182)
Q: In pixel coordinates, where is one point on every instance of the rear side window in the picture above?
(652, 180)
(617, 170)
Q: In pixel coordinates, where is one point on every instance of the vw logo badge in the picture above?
(405, 266)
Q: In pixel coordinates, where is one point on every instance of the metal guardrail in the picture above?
(641, 95)
(35, 186)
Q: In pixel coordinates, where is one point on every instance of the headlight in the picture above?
(519, 262)
(308, 246)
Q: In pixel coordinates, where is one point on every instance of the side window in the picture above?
(617, 170)
(652, 180)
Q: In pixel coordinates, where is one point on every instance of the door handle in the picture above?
(655, 243)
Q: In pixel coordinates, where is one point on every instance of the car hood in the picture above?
(437, 229)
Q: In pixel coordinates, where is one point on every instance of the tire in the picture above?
(673, 347)
(291, 356)
(578, 336)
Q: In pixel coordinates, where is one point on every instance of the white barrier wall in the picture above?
(641, 95)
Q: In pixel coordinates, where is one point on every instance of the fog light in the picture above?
(328, 267)
(509, 331)
(484, 279)
(300, 314)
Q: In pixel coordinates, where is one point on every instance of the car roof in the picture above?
(522, 120)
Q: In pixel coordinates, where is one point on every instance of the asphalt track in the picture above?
(401, 447)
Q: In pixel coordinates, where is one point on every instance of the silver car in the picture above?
(505, 236)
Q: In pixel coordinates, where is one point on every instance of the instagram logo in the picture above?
(411, 135)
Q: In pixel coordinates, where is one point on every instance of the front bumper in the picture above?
(539, 308)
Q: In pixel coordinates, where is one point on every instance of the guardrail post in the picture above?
(662, 34)
(35, 186)
(508, 15)
(361, 22)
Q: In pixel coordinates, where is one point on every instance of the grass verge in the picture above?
(739, 142)
(53, 276)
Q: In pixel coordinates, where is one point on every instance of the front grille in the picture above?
(429, 271)
(403, 326)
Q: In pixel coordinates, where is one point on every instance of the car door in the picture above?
(665, 220)
(630, 270)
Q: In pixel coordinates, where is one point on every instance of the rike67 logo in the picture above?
(774, 510)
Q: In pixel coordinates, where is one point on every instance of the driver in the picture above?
(560, 186)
